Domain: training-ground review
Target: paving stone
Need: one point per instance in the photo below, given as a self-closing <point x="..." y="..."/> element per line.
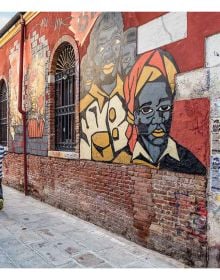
<point x="70" y="247"/>
<point x="3" y="216"/>
<point x="19" y="252"/>
<point x="43" y="224"/>
<point x="38" y="235"/>
<point x="117" y="257"/>
<point x="77" y="235"/>
<point x="7" y="222"/>
<point x="51" y="254"/>
<point x="9" y="243"/>
<point x="89" y="260"/>
<point x="7" y="264"/>
<point x="140" y="264"/>
<point x="161" y="263"/>
<point x="49" y="234"/>
<point x="16" y="227"/>
<point x="97" y="243"/>
<point x="71" y="264"/>
<point x="28" y="236"/>
<point x="137" y="250"/>
<point x="5" y="261"/>
<point x="161" y="260"/>
<point x="64" y="227"/>
<point x="35" y="262"/>
<point x="4" y="233"/>
<point x="104" y="265"/>
<point x="29" y="218"/>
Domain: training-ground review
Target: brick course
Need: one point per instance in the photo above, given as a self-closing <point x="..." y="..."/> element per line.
<point x="158" y="209"/>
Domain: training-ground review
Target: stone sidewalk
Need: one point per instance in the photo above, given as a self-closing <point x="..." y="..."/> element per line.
<point x="36" y="235"/>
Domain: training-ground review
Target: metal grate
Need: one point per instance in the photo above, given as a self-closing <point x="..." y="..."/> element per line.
<point x="66" y="59"/>
<point x="64" y="100"/>
<point x="3" y="113"/>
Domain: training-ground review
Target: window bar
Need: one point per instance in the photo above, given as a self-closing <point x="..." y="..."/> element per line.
<point x="65" y="108"/>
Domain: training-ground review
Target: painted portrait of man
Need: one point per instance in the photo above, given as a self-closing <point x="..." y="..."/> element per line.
<point x="149" y="93"/>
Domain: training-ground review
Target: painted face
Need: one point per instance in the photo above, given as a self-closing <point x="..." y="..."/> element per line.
<point x="153" y="112"/>
<point x="88" y="78"/>
<point x="107" y="52"/>
<point x="128" y="57"/>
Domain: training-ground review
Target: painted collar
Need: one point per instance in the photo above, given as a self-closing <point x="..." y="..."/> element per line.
<point x="101" y="96"/>
<point x="170" y="150"/>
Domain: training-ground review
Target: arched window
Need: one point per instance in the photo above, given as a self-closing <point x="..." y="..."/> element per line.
<point x="3" y="113"/>
<point x="65" y="87"/>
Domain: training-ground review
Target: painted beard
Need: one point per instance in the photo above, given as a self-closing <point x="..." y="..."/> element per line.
<point x="155" y="134"/>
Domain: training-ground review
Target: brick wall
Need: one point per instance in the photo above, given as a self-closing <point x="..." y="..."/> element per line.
<point x="161" y="210"/>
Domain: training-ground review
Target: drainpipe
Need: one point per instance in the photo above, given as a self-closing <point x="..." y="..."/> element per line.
<point x="20" y="109"/>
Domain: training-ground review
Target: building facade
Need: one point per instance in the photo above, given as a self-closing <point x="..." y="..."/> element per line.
<point x="121" y="113"/>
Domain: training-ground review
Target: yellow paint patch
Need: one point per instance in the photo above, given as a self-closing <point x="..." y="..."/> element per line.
<point x="101" y="139"/>
<point x="139" y="161"/>
<point x="123" y="158"/>
<point x="112" y="114"/>
<point x="101" y="148"/>
<point x="85" y="102"/>
<point x="115" y="134"/>
<point x="171" y="72"/>
<point x="149" y="74"/>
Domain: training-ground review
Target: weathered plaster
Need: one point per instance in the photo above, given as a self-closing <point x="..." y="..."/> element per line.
<point x="162" y="31"/>
<point x="213" y="61"/>
<point x="193" y="84"/>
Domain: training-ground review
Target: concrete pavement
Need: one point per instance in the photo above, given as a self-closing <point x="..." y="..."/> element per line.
<point x="36" y="235"/>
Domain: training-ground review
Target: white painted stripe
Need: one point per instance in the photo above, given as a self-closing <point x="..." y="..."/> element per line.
<point x="162" y="31"/>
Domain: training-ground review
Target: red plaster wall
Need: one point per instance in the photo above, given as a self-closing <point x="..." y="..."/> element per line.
<point x="189" y="53"/>
<point x="190" y="127"/>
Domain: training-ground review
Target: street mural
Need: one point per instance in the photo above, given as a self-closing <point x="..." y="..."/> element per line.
<point x="14" y="116"/>
<point x="127" y="101"/>
<point x="35" y="91"/>
<point x="36" y="101"/>
<point x="81" y="24"/>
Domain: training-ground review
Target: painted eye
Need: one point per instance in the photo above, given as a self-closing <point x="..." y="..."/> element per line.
<point x="101" y="49"/>
<point x="164" y="108"/>
<point x="117" y="41"/>
<point x="146" y="110"/>
<point x="126" y="59"/>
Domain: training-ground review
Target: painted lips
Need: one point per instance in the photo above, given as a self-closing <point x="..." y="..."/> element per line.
<point x="88" y="82"/>
<point x="158" y="133"/>
<point x="108" y="68"/>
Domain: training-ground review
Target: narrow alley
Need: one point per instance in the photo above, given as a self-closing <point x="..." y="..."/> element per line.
<point x="36" y="235"/>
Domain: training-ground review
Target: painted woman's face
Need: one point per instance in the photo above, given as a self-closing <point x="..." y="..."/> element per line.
<point x="153" y="112"/>
<point x="107" y="52"/>
<point x="128" y="57"/>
